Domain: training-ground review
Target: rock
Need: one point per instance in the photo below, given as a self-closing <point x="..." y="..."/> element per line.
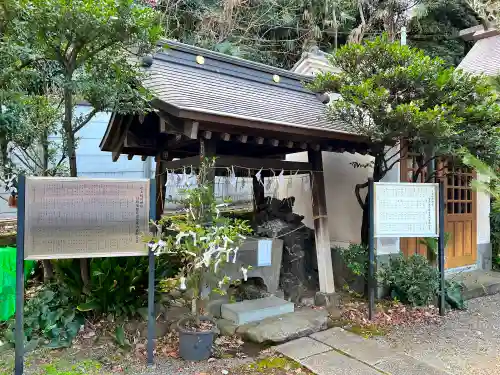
<point x="226" y="327"/>
<point x="161" y="328"/>
<point x="285" y="327"/>
<point x="328" y="300"/>
<point x="213" y="306"/>
<point x="174" y="313"/>
<point x="175" y="293"/>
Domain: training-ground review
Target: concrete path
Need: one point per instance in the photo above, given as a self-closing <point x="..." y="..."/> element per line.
<point x="339" y="352"/>
<point x="466" y="343"/>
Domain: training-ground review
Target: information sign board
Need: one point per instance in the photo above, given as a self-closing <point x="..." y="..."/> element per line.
<point x="85" y="218"/>
<point x="406" y="209"/>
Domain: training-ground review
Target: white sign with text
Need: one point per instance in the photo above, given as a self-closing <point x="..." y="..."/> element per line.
<point x="85" y="218"/>
<point x="406" y="209"/>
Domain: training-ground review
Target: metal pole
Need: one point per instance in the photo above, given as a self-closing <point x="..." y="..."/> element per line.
<point x="371" y="252"/>
<point x="151" y="278"/>
<point x="441" y="249"/>
<point x="19" y="333"/>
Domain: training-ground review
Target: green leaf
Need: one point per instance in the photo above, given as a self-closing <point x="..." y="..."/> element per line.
<point x="31" y="345"/>
<point x="89" y="306"/>
<point x="73" y="328"/>
<point x="120" y="337"/>
<point x="68" y="316"/>
<point x="143" y="312"/>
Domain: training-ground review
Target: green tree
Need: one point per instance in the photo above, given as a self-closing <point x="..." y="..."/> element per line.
<point x="488" y="10"/>
<point x="488" y="181"/>
<point x="391" y="93"/>
<point x="93" y="47"/>
<point x="435" y="29"/>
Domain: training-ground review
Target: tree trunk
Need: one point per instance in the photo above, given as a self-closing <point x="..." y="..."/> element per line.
<point x="73" y="172"/>
<point x="48" y="269"/>
<point x="378" y="175"/>
<point x="365" y="223"/>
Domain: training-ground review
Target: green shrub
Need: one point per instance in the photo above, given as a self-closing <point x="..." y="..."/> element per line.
<point x="411" y="280"/>
<point x="495" y="233"/>
<point x="118" y="286"/>
<point x="50" y="319"/>
<point x="355" y="257"/>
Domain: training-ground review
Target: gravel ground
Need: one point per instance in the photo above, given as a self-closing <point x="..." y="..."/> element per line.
<point x="465" y="343"/>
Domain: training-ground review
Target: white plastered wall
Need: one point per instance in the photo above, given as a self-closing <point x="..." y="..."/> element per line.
<point x="483" y="216"/>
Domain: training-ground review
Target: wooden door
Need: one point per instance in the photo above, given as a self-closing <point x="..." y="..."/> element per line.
<point x="460" y="214"/>
<point x="411" y="246"/>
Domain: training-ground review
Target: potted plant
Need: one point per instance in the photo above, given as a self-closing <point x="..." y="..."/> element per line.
<point x="205" y="240"/>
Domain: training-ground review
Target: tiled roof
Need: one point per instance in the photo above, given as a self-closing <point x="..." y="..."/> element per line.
<point x="484" y="57"/>
<point x="232" y="87"/>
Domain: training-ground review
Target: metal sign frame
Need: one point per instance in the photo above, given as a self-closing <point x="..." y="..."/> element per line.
<point x="440" y="210"/>
<point x="19" y="323"/>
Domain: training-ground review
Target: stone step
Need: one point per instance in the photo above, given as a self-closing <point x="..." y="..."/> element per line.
<point x="255" y="310"/>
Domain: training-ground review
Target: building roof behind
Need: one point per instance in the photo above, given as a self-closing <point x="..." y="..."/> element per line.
<point x="484" y="56"/>
<point x="232" y="87"/>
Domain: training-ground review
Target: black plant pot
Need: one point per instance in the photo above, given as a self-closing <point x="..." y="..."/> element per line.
<point x="195" y="346"/>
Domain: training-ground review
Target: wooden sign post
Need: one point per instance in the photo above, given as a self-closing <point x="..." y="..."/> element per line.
<point x="405" y="210"/>
<point x="82" y="218"/>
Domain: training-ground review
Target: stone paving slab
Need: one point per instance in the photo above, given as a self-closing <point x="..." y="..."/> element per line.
<point x="334" y="363"/>
<point x="302" y="348"/>
<point x="365" y="350"/>
<point x="255" y="310"/>
<point x="401" y="364"/>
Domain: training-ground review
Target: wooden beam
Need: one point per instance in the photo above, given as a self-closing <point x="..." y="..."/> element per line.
<point x="120" y="141"/>
<point x="250" y="163"/>
<point x="225" y="136"/>
<point x="193" y="161"/>
<point x="256" y="163"/>
<point x="243" y="138"/>
<point x="259" y="140"/>
<point x="173" y="141"/>
<point x="191" y="129"/>
<point x="130" y="156"/>
<point x="133" y="141"/>
<point x="320" y="218"/>
<point x="169" y="126"/>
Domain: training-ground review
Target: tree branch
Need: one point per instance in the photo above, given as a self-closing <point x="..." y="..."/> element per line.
<point x="421" y="168"/>
<point x="85" y="121"/>
<point x="28" y="156"/>
<point x="357" y="190"/>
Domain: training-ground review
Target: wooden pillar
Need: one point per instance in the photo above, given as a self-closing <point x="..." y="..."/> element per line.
<point x="208" y="150"/>
<point x="258" y="193"/>
<point x="160" y="177"/>
<point x="320" y="219"/>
